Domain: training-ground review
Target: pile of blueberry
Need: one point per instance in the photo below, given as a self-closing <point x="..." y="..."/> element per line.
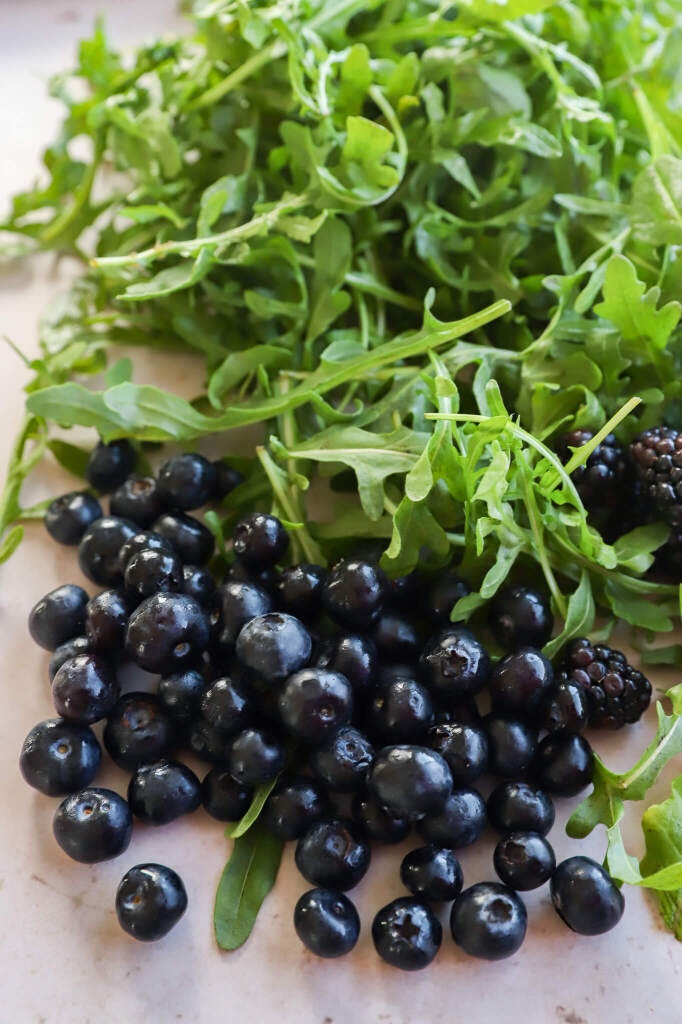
<point x="355" y="692"/>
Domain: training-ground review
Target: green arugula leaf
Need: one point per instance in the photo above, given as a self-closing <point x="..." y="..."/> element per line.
<point x="248" y="877"/>
<point x="70" y="456"/>
<point x="657" y="202"/>
<point x="633" y="309"/>
<point x="662" y="824"/>
<point x="241" y="827"/>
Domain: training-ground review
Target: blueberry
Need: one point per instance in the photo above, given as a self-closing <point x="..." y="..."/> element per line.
<point x="192" y="542"/>
<point x="332" y="853"/>
<point x="110" y="464"/>
<point x="564" y="764"/>
<point x="100" y="547"/>
<point x="106" y="621"/>
<point x="85" y="689"/>
<point x="138" y="500"/>
<point x="198" y="583"/>
<point x="143" y="540"/>
<point x="353" y="593"/>
<point x="233" y="605"/>
<point x="343" y="763"/>
<point x="260" y="540"/>
<point x="314" y="704"/>
<point x="222" y="797"/>
<point x="378" y="824"/>
<point x="186" y="481"/>
<point x="464" y="747"/>
<point x="68" y="517"/>
<point x="255" y="756"/>
<point x="180" y="694"/>
<point x="403" y="591"/>
<point x="461" y="712"/>
<point x="432" y="873"/>
<point x="396" y="637"/>
<point x="66" y="651"/>
<point x="455" y="665"/>
<point x="401" y="710"/>
<point x="138" y="730"/>
<point x="163" y="791"/>
<point x="520" y="807"/>
<point x="166" y="633"/>
<point x="520" y="682"/>
<point x="511" y="745"/>
<point x="226" y="478"/>
<point x="207" y="744"/>
<point x="442" y="594"/>
<point x="274" y="645"/>
<point x="294" y="805"/>
<point x="488" y="921"/>
<point x="520" y="617"/>
<point x="152" y="572"/>
<point x="410" y="781"/>
<point x="407" y="934"/>
<point x="566" y="708"/>
<point x="299" y="590"/>
<point x="240" y="572"/>
<point x="585" y="896"/>
<point x="58" y="617"/>
<point x="459" y="823"/>
<point x="524" y="860"/>
<point x="150" y="900"/>
<point x="228" y="705"/>
<point x="59" y="757"/>
<point x="355" y="657"/>
<point x="326" y="922"/>
<point x="93" y="825"/>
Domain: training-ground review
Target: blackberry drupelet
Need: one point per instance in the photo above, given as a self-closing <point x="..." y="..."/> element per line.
<point x="618" y="694"/>
<point x="601" y="480"/>
<point x="657" y="457"/>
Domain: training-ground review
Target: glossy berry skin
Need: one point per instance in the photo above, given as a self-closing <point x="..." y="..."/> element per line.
<point x="226" y="478"/>
<point x="442" y="594"/>
<point x="109" y="465"/>
<point x="163" y="791"/>
<point x="142" y="540"/>
<point x="410" y="781"/>
<point x="192" y="542"/>
<point x="255" y="756"/>
<point x="228" y="705"/>
<point x="186" y="481"/>
<point x="167" y="633"/>
<point x="564" y="764"/>
<point x="152" y="572"/>
<point x="295" y="805"/>
<point x="520" y="682"/>
<point x="407" y="934"/>
<point x="58" y="617"/>
<point x="565" y="708"/>
<point x="299" y="590"/>
<point x="343" y="763"/>
<point x="353" y="594"/>
<point x="138" y="500"/>
<point x="274" y="646"/>
<point x="240" y="572"/>
<point x="93" y="825"/>
<point x="68" y="517"/>
<point x="464" y="747"/>
<point x="488" y="921"/>
<point x="616" y="692"/>
<point x="85" y="689"/>
<point x="401" y="710"/>
<point x="59" y="757"/>
<point x="511" y="745"/>
<point x="432" y="873"/>
<point x="106" y="621"/>
<point x="585" y="896"/>
<point x="332" y="853"/>
<point x="198" y="583"/>
<point x="260" y="540"/>
<point x="314" y="704"/>
<point x="222" y="797"/>
<point x="524" y="860"/>
<point x="138" y="731"/>
<point x="520" y="807"/>
<point x="100" y="547"/>
<point x="463" y="712"/>
<point x="180" y="694"/>
<point x="460" y="822"/>
<point x="233" y="605"/>
<point x="150" y="900"/>
<point x="66" y="651"/>
<point x="520" y="617"/>
<point x="355" y="657"/>
<point x="378" y="824"/>
<point x="402" y="591"/>
<point x="326" y="922"/>
<point x="455" y="664"/>
<point x="207" y="744"/>
<point x="396" y="637"/>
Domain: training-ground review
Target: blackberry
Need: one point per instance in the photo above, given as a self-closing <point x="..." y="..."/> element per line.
<point x="618" y="694"/>
<point x="657" y="457"/>
<point x="599" y="481"/>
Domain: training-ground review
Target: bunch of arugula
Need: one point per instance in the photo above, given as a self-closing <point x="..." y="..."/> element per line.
<point x="412" y="241"/>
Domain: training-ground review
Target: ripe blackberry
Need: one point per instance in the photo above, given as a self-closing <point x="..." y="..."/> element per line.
<point x="668" y="559"/>
<point x="618" y="694"/>
<point x="600" y="480"/>
<point x="657" y="457"/>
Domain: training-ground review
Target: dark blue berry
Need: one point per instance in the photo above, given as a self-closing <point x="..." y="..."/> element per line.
<point x="378" y="824"/>
<point x="138" y="500"/>
<point x="520" y="617"/>
<point x="565" y="708"/>
<point x="59" y="757"/>
<point x="442" y="594"/>
<point x="455" y="664"/>
<point x="167" y="632"/>
<point x="396" y="637"/>
<point x="488" y="921"/>
<point x="192" y="542"/>
<point x="255" y="756"/>
<point x="68" y="517"/>
<point x="142" y="540"/>
<point x="355" y="657"/>
<point x="520" y="807"/>
<point x="222" y="797"/>
<point x="110" y="464"/>
<point x="58" y="617"/>
<point x="186" y="481"/>
<point x="353" y="593"/>
<point x="299" y="590"/>
<point x="228" y="705"/>
<point x="520" y="682"/>
<point x="232" y="606"/>
<point x="226" y="478"/>
<point x="410" y="781"/>
<point x="314" y="704"/>
<point x="511" y="745"/>
<point x="106" y="621"/>
<point x="464" y="747"/>
<point x="198" y="583"/>
<point x="163" y="791"/>
<point x="100" y="549"/>
<point x="407" y="934"/>
<point x="343" y="763"/>
<point x="138" y="730"/>
<point x="150" y="900"/>
<point x="85" y="689"/>
<point x="152" y="572"/>
<point x="460" y="822"/>
<point x="401" y="710"/>
<point x="274" y="646"/>
<point x="524" y="860"/>
<point x="260" y="540"/>
<point x="332" y="853"/>
<point x="294" y="805"/>
<point x="207" y="744"/>
<point x="564" y="764"/>
<point x="180" y="694"/>
<point x="326" y="922"/>
<point x="585" y="896"/>
<point x="66" y="651"/>
<point x="432" y="873"/>
<point x="93" y="825"/>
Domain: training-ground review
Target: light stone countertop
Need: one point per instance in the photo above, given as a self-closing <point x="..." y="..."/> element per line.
<point x="63" y="958"/>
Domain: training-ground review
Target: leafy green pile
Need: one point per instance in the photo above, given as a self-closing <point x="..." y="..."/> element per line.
<point x="412" y="240"/>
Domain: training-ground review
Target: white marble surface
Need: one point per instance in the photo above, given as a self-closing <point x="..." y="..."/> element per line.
<point x="63" y="959"/>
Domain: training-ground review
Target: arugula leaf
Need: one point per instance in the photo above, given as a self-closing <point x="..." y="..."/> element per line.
<point x="248" y="877"/>
<point x="239" y="828"/>
<point x="662" y="824"/>
<point x="633" y="309"/>
<point x="657" y="202"/>
<point x="70" y="456"/>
